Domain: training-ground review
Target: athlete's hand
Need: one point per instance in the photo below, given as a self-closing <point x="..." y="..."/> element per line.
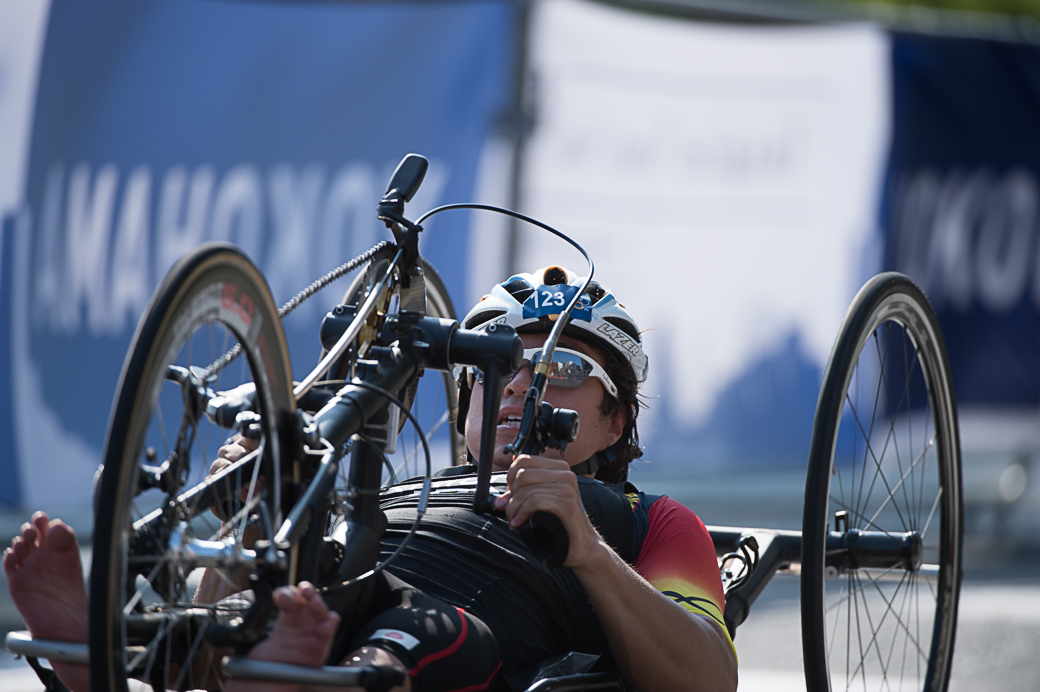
<point x="227" y="455"/>
<point x="540" y="483"/>
<point x="230" y="453"/>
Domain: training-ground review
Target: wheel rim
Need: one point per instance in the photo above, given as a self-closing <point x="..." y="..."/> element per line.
<point x="148" y="581"/>
<point x="148" y="589"/>
<point x="875" y="622"/>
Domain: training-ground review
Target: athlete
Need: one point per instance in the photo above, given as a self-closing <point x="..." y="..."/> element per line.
<point x="467" y="606"/>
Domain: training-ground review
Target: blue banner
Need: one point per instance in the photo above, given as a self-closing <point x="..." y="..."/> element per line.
<point x="272" y="125"/>
<point x="961" y="205"/>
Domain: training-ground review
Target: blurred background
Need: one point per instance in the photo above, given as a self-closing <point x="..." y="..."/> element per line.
<point x="736" y="170"/>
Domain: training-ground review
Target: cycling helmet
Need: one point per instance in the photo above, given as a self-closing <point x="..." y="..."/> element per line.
<point x="532" y="302"/>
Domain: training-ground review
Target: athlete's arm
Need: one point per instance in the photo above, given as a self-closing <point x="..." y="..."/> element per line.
<point x="659" y="645"/>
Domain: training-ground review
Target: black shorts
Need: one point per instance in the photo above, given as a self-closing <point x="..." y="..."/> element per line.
<point x="443" y="647"/>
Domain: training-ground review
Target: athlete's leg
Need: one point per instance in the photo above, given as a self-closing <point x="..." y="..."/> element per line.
<point x="45" y="578"/>
<point x="441" y="646"/>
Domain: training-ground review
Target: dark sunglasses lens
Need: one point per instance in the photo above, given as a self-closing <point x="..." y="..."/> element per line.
<point x="567" y="370"/>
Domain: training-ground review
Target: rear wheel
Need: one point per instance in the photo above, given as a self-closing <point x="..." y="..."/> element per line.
<point x="154" y="531"/>
<point x="882" y="523"/>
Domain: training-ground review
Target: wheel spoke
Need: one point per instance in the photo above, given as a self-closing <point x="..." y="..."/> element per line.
<point x="873" y="416"/>
<point x="872" y="643"/>
<point x="196" y="644"/>
<point x="879" y="473"/>
<point x="931" y="513"/>
<point x="892" y="414"/>
<point x="902" y="480"/>
<point x="431" y="431"/>
<point x="131" y="605"/>
<point x="899" y="621"/>
<point x="908" y="598"/>
<point x="873" y="578"/>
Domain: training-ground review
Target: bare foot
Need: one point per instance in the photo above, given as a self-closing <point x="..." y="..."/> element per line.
<point x="45" y="578"/>
<point x="302" y="635"/>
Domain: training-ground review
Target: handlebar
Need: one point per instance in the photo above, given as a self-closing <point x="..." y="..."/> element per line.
<point x="439" y="344"/>
<point x="415" y="342"/>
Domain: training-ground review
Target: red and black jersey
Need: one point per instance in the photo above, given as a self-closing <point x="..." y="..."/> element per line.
<point x="665" y="542"/>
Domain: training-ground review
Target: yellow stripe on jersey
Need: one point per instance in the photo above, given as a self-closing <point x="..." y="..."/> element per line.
<point x="690" y="597"/>
<point x="694" y="600"/>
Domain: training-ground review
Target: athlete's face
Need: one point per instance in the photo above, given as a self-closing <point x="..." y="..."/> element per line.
<point x="596" y="431"/>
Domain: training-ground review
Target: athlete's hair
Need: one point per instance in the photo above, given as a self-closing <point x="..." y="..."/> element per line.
<point x="628" y="399"/>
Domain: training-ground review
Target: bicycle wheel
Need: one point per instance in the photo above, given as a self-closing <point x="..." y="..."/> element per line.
<point x="153" y="503"/>
<point x="882" y="524"/>
<point x="433" y="398"/>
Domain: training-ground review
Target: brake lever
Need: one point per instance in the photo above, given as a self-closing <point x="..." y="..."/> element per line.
<point x="544" y="532"/>
<point x="544" y="426"/>
<point x="529" y="419"/>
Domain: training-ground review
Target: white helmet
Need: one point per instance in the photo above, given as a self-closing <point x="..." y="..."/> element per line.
<point x="532" y="302"/>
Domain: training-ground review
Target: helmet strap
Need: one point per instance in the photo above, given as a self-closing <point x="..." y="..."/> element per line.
<point x="599" y="459"/>
<point x="463" y="402"/>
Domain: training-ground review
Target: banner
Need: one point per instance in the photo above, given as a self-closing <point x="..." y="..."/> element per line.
<point x="961" y="207"/>
<point x="272" y="125"/>
<point x="725" y="180"/>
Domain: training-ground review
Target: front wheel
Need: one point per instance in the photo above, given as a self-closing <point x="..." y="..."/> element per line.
<point x="154" y="531"/>
<point x="882" y="523"/>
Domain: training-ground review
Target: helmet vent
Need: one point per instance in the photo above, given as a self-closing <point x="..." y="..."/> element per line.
<point x="624" y="325"/>
<point x="554" y="276"/>
<point x="482" y="317"/>
<point x="519" y="289"/>
<point x="595" y="292"/>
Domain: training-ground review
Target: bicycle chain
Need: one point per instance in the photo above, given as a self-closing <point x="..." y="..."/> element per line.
<point x="298" y="299"/>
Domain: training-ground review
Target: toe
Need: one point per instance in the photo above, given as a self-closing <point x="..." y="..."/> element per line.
<point x="20" y="546"/>
<point x="286" y="598"/>
<point x="328" y="626"/>
<point x="316" y="606"/>
<point x="61" y="536"/>
<point x="42" y="523"/>
<point x="30" y="537"/>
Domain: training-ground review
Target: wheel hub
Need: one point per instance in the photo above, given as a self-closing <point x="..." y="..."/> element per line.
<point x="857" y="549"/>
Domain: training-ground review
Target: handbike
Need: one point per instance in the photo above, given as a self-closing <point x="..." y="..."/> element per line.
<point x="175" y="548"/>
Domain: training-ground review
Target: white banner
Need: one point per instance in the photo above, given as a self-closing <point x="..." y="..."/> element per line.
<point x="725" y="181"/>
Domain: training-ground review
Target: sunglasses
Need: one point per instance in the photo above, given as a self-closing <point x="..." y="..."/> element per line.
<point x="568" y="369"/>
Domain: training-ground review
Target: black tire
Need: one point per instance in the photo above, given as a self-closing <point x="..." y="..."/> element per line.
<point x="213" y="299"/>
<point x="885" y="450"/>
<point x="433" y="398"/>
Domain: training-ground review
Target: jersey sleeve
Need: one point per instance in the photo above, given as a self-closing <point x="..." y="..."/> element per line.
<point x="678" y="558"/>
